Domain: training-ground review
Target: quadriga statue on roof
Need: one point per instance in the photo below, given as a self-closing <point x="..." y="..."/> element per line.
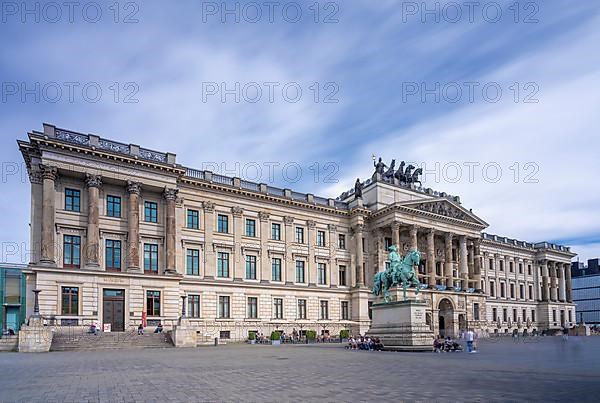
<point x="400" y="271"/>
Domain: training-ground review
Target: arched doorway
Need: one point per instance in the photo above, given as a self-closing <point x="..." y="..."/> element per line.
<point x="446" y="318"/>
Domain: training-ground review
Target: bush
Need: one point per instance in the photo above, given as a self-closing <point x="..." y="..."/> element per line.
<point x="344" y="334"/>
<point x="275" y="335"/>
<point x="311" y="335"/>
<point x="251" y="335"/>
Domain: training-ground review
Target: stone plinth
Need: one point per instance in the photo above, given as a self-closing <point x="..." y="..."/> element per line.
<point x="35" y="338"/>
<point x="401" y="326"/>
<point x="184" y="335"/>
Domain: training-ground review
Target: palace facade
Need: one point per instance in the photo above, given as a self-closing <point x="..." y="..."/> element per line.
<point x="121" y="234"/>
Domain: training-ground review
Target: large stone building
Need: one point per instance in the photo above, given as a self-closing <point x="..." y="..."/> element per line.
<point x="120" y="234"/>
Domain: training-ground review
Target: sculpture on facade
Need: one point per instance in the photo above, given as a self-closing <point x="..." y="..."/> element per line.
<point x="388" y="176"/>
<point x="400" y="172"/>
<point x="400" y="271"/>
<point x="358" y="187"/>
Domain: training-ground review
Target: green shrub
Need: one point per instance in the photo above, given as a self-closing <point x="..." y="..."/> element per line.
<point x="251" y="335"/>
<point x="275" y="335"/>
<point x="311" y="334"/>
<point x="344" y="334"/>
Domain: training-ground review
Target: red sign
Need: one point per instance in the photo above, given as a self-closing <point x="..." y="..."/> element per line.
<point x="144" y="322"/>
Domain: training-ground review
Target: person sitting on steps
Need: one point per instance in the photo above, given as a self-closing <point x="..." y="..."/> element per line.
<point x="140" y="330"/>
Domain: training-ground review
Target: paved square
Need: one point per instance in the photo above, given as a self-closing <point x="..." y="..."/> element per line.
<point x="504" y="370"/>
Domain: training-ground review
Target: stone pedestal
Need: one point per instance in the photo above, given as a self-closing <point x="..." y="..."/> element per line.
<point x="184" y="335"/>
<point x="35" y="338"/>
<point x="401" y="326"/>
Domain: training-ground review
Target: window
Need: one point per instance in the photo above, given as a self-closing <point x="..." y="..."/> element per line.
<point x="570" y="317"/>
<point x="251" y="267"/>
<point x="72" y="251"/>
<point x="530" y="292"/>
<point x="520" y="268"/>
<point x="475" y="311"/>
<point x="153" y="303"/>
<point x="113" y="206"/>
<point x="193" y="302"/>
<point x="529" y="269"/>
<point x="223" y="224"/>
<point x="276" y="231"/>
<point x="342" y="241"/>
<point x="505" y="314"/>
<point x="225" y="334"/>
<point x="150" y="212"/>
<point x="301" y="309"/>
<point x="533" y="315"/>
<point x="113" y="255"/>
<point x="554" y="315"/>
<point x="299" y="235"/>
<point x="342" y="275"/>
<point x="511" y="266"/>
<point x="515" y="314"/>
<point x="193" y="219"/>
<point x="521" y="291"/>
<point x="276" y="269"/>
<point x="222" y="264"/>
<point x="512" y="290"/>
<point x="223" y="307"/>
<point x="320" y="238"/>
<point x="70" y="301"/>
<point x="502" y="290"/>
<point x="150" y="258"/>
<point x="192" y="264"/>
<point x="502" y="265"/>
<point x="345" y="313"/>
<point x="278" y="308"/>
<point x="524" y="315"/>
<point x="72" y="200"/>
<point x="299" y="271"/>
<point x="494" y="314"/>
<point x="250" y="227"/>
<point x="492" y="289"/>
<point x="324" y="311"/>
<point x="322" y="273"/>
<point x="491" y="264"/>
<point x="252" y="308"/>
<point x="387" y="243"/>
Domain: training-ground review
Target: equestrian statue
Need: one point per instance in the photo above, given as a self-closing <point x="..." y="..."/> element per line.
<point x="400" y="271"/>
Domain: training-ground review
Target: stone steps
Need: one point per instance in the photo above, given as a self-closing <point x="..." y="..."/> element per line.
<point x="109" y="341"/>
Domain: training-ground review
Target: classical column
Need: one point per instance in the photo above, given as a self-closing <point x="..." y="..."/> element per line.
<point x="448" y="265"/>
<point x="413" y="237"/>
<point x="471" y="264"/>
<point x="37" y="206"/>
<point x="265" y="261"/>
<point x="210" y="263"/>
<point x="477" y="265"/>
<point x="545" y="287"/>
<point x="462" y="262"/>
<point x="94" y="183"/>
<point x="431" y="257"/>
<point x="49" y="175"/>
<point x="239" y="263"/>
<point x="290" y="266"/>
<point x="333" y="269"/>
<point x="561" y="284"/>
<point x="358" y="235"/>
<point x="396" y="234"/>
<point x="568" y="284"/>
<point x="553" y="283"/>
<point x="311" y="270"/>
<point x="133" y="226"/>
<point x="170" y="195"/>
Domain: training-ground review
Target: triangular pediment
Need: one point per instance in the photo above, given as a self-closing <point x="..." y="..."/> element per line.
<point x="444" y="208"/>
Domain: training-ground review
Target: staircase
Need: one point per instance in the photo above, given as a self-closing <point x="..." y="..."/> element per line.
<point x="109" y="341"/>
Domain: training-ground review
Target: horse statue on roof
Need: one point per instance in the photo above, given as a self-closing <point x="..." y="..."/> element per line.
<point x="400" y="272"/>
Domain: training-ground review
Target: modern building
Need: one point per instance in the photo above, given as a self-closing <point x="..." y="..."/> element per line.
<point x="12" y="296"/>
<point x="579" y="269"/>
<point x="121" y="234"/>
<point x="586" y="291"/>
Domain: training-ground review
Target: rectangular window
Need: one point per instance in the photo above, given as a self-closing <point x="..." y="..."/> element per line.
<point x="475" y="311"/>
<point x="71" y="251"/>
<point x="554" y="315"/>
<point x="113" y="206"/>
<point x="521" y="291"/>
<point x="345" y="313"/>
<point x="150" y="212"/>
<point x="250" y="227"/>
<point x="252" y="309"/>
<point x="387" y="243"/>
<point x="192" y="262"/>
<point x="113" y="255"/>
<point x="494" y="314"/>
<point x="342" y="275"/>
<point x="299" y="235"/>
<point x="300" y="271"/>
<point x="505" y="314"/>
<point x="72" y="200"/>
<point x="342" y="241"/>
<point x="223" y="307"/>
<point x="570" y="317"/>
<point x="530" y="292"/>
<point x="225" y="334"/>
<point x="529" y="269"/>
<point x="502" y="265"/>
<point x="511" y="267"/>
<point x="322" y="273"/>
<point x="150" y="258"/>
<point x="193" y="302"/>
<point x="278" y="308"/>
<point x="193" y="219"/>
<point x="520" y="268"/>
<point x="223" y="223"/>
<point x="524" y="315"/>
<point x="70" y="301"/>
<point x="515" y="315"/>
<point x="491" y="264"/>
<point x="533" y="315"/>
<point x="222" y="264"/>
<point x="492" y="289"/>
<point x="512" y="290"/>
<point x="276" y="231"/>
<point x="276" y="269"/>
<point x="502" y="290"/>
<point x="152" y="303"/>
<point x="250" y="267"/>
<point x="324" y="311"/>
<point x="321" y="238"/>
<point x="301" y="309"/>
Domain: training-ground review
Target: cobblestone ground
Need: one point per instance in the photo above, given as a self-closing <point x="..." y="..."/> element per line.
<point x="503" y="370"/>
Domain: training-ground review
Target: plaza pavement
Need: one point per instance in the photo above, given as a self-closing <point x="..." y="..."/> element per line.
<point x="504" y="370"/>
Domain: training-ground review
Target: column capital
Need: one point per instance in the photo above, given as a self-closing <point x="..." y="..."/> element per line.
<point x="49" y="172"/>
<point x="413" y="229"/>
<point x="332" y="227"/>
<point x="263" y="216"/>
<point x="288" y="220"/>
<point x="358" y="228"/>
<point x="93" y="181"/>
<point x="208" y="206"/>
<point x="311" y="224"/>
<point x="36" y="177"/>
<point x="448" y="236"/>
<point x="430" y="231"/>
<point x="237" y="211"/>
<point x="170" y="194"/>
<point x="134" y="187"/>
<point x="395" y="225"/>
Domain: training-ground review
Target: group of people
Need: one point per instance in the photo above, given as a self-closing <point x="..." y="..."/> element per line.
<point x="447" y="344"/>
<point x="364" y="343"/>
<point x="157" y="329"/>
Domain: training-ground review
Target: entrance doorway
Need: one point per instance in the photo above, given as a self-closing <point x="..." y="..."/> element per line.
<point x="446" y="318"/>
<point x="113" y="309"/>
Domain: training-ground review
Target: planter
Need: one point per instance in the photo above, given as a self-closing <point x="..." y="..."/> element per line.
<point x="275" y="342"/>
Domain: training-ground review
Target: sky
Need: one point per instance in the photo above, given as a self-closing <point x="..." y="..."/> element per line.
<point x="496" y="100"/>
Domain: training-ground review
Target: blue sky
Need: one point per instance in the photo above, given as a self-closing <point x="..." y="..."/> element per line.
<point x="381" y="61"/>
